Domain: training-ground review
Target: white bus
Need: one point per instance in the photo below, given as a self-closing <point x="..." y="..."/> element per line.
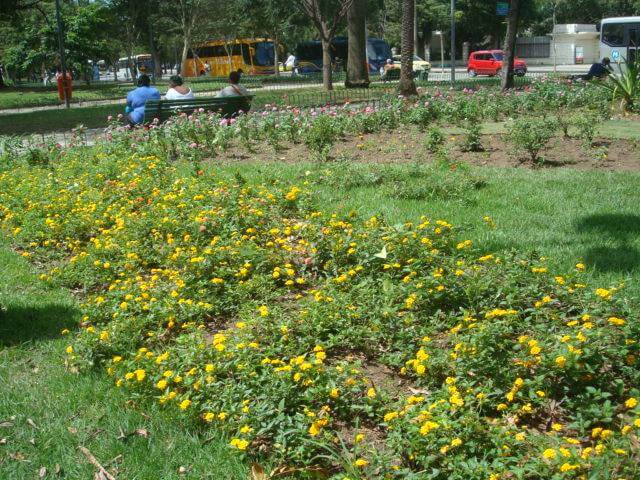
<point x="619" y="38"/>
<point x="143" y="64"/>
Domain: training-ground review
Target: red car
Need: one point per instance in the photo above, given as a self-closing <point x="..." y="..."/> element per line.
<point x="489" y="62"/>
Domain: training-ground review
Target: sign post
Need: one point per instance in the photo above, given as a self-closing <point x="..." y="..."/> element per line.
<point x="453" y="42"/>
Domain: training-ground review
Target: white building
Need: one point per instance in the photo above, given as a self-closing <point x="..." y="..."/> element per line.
<point x="574" y="44"/>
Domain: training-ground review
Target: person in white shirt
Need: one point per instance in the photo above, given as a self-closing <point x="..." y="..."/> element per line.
<point x="291" y="62"/>
<point x="177" y="91"/>
<point x="234" y="89"/>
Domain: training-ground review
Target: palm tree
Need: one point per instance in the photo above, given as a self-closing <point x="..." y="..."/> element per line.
<point x="510" y="45"/>
<point x="407" y="87"/>
<point x="357" y="65"/>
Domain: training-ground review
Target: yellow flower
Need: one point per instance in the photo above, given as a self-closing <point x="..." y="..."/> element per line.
<point x="556" y="427"/>
<point x="162" y="384"/>
<point x="456" y="442"/>
<point x="209" y="417"/>
<point x="371" y="393"/>
<point x="393" y="415"/>
<point x="603" y="293"/>
<point x="69" y="349"/>
<point x="239" y="443"/>
<point x="618" y="322"/>
<point x="567" y="467"/>
<point x="580" y="266"/>
<point x="246" y="429"/>
<point x="140" y="374"/>
<point x="335" y="393"/>
<point x="361" y="462"/>
<point x="631" y="403"/>
<point x="185" y="404"/>
<point x="263" y="310"/>
<point x="359" y="437"/>
<point x="549" y="453"/>
<point x="561" y="361"/>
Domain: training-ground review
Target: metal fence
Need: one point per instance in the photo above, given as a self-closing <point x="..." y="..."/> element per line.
<point x="533" y="47"/>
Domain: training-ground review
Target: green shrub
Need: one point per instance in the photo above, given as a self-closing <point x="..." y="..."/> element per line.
<point x="434" y="139"/>
<point x="472" y="138"/>
<point x="321" y="135"/>
<point x="531" y="135"/>
<point x="586" y="123"/>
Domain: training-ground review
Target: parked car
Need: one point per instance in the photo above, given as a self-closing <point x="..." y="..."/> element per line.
<point x="419" y="64"/>
<point x="489" y="62"/>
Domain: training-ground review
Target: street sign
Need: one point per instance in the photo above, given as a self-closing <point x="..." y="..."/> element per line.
<point x="615" y="55"/>
<point x="502" y="9"/>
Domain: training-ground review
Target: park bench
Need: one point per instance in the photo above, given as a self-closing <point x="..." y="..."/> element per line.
<point x="227" y="107"/>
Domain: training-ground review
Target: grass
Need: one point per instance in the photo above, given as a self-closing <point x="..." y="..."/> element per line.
<point x="46" y="412"/>
<point x="564" y="214"/>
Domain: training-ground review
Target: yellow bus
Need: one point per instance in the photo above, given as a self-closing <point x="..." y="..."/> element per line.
<point x="218" y="58"/>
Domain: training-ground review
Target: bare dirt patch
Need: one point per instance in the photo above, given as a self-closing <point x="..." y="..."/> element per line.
<point x="406" y="147"/>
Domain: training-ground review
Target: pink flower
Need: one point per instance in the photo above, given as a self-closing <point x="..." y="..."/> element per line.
<point x="109" y="118"/>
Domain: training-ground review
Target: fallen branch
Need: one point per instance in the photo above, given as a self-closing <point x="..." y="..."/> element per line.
<point x="95" y="463"/>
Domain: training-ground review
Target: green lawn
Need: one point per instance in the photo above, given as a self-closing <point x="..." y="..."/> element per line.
<point x="46" y="412"/>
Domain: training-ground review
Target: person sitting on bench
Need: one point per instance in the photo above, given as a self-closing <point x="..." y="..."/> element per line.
<point x="138" y="97"/>
<point x="178" y="91"/>
<point x="234" y="89"/>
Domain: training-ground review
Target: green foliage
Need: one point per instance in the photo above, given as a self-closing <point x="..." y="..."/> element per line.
<point x="434" y="139"/>
<point x="321" y="135"/>
<point x="531" y="135"/>
<point x="624" y="85"/>
<point x="473" y="137"/>
<point x="586" y="123"/>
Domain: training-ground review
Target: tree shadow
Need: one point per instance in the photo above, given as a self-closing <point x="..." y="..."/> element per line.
<point x="614" y="236"/>
<point x="20" y="324"/>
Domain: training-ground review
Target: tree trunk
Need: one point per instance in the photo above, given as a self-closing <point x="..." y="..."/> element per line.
<point x="185" y="53"/>
<point x="357" y="65"/>
<point x="1" y="77"/>
<point x="327" y="81"/>
<point x="510" y="45"/>
<point x="407" y="87"/>
<point x="155" y="54"/>
<point x="276" y="54"/>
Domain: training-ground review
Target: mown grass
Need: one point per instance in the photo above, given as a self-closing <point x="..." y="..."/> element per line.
<point x="46" y="412"/>
<point x="564" y="214"/>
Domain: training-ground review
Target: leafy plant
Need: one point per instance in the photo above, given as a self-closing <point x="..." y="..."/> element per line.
<point x="321" y="135"/>
<point x="586" y="123"/>
<point x="531" y="134"/>
<point x="624" y="86"/>
<point x="434" y="139"/>
<point x="472" y="138"/>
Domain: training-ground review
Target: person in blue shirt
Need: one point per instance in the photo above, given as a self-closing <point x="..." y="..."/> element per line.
<point x="138" y="97"/>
